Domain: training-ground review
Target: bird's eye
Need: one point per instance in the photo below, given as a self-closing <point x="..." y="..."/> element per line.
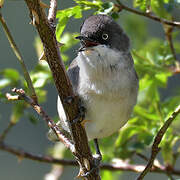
<point x="105" y="36"/>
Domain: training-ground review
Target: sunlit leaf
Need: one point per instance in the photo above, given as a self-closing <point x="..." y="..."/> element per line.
<point x="106" y="175"/>
<point x="141" y="3"/>
<point x="39" y="79"/>
<point x="1" y="3"/>
<point x="160" y="8"/>
<point x="4" y="82"/>
<point x="145" y="113"/>
<point x="64" y="15"/>
<point x="17" y="112"/>
<point x="126" y="133"/>
<point x="90" y="4"/>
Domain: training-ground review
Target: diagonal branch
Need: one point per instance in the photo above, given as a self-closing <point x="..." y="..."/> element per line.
<point x="47" y="34"/>
<point x="6" y="131"/>
<point x="19" y="57"/>
<point x="121" y="6"/>
<point x="45" y="117"/>
<point x="157" y="140"/>
<point x="168" y="33"/>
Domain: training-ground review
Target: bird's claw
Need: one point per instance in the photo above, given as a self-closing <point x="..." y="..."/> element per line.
<point x="95" y="168"/>
<point x="81" y="115"/>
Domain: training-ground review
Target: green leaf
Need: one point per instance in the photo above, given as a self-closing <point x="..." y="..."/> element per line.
<point x="64" y="15"/>
<point x="69" y="40"/>
<point x="158" y="7"/>
<point x="39" y="79"/>
<point x="107" y="7"/>
<point x="97" y="4"/>
<point x="126" y="133"/>
<point x="167" y="152"/>
<point x="141" y="3"/>
<point x="1" y="3"/>
<point x="17" y="112"/>
<point x="10" y="77"/>
<point x="115" y="15"/>
<point x="32" y="119"/>
<point x="161" y="79"/>
<point x="106" y="145"/>
<point x="41" y="93"/>
<point x="106" y="175"/>
<point x="145" y="113"/>
<point x="61" y="26"/>
<point x="146" y="137"/>
<point x="136" y="146"/>
<point x="11" y="74"/>
<point x="4" y="82"/>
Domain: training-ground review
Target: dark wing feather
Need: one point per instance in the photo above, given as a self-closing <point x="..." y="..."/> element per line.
<point x="73" y="73"/>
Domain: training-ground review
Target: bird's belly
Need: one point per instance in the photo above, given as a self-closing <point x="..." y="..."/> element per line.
<point x="104" y="117"/>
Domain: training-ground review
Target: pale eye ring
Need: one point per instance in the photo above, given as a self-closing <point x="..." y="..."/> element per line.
<point x="105" y="36"/>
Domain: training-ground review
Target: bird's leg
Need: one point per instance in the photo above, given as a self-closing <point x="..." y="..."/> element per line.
<point x="98" y="155"/>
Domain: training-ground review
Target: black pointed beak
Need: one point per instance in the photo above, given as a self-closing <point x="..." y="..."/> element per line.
<point x="86" y="42"/>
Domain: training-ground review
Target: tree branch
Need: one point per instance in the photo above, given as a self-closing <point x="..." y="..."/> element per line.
<point x="157" y="140"/>
<point x="19" y="57"/>
<point x="47" y="34"/>
<point x="148" y="15"/>
<point x="42" y="113"/>
<point x="119" y="166"/>
<point x="168" y="33"/>
<point x="47" y="159"/>
<point x="6" y="131"/>
<point x="52" y="11"/>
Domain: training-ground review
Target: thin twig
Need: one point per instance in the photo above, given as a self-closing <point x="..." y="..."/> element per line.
<point x="148" y="15"/>
<point x="11" y="123"/>
<point x="142" y="156"/>
<point x="156" y="163"/>
<point x="6" y="131"/>
<point x="157" y="140"/>
<point x="45" y="117"/>
<point x="122" y="166"/>
<point x="19" y="57"/>
<point x="168" y="33"/>
<point x="47" y="159"/>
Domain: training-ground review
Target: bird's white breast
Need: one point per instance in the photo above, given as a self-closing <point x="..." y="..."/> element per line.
<point x="105" y="87"/>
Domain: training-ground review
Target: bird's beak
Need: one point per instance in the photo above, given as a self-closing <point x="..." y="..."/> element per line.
<point x="86" y="42"/>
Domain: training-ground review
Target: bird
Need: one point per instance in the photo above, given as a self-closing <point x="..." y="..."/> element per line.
<point x="104" y="77"/>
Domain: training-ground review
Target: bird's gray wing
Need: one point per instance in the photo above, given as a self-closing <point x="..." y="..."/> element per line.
<point x="73" y="73"/>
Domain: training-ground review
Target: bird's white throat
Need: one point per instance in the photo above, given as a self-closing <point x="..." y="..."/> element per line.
<point x="103" y="70"/>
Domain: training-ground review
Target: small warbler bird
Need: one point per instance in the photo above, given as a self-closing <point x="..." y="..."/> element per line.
<point x="104" y="77"/>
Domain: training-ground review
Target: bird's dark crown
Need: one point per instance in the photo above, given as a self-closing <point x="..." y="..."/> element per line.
<point x="102" y="29"/>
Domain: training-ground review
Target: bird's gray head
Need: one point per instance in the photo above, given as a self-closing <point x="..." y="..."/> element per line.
<point x="102" y="29"/>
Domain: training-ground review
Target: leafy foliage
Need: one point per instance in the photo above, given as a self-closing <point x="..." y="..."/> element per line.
<point x="153" y="58"/>
<point x="152" y="61"/>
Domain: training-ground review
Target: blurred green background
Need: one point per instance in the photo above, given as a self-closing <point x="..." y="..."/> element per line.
<point x="32" y="138"/>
